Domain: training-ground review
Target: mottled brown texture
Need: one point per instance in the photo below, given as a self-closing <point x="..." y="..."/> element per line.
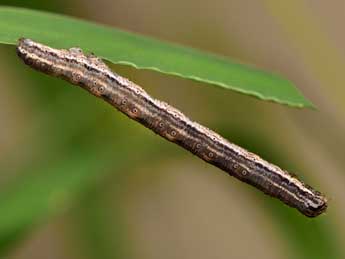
<point x="90" y="73"/>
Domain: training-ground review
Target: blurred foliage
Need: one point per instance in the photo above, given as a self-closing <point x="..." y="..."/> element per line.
<point x="141" y="52"/>
<point x="89" y="145"/>
<point x="307" y="238"/>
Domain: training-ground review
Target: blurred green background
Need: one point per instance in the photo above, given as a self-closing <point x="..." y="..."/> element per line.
<point x="80" y="180"/>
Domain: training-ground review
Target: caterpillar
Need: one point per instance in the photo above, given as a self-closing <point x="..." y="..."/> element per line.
<point x="90" y="73"/>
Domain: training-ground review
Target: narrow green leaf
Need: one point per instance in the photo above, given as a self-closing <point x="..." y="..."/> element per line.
<point x="146" y="53"/>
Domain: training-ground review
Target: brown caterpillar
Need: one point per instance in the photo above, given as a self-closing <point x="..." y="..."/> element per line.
<point x="90" y="73"/>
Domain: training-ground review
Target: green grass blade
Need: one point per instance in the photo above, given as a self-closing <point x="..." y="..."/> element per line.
<point x="36" y="196"/>
<point x="33" y="198"/>
<point x="146" y="53"/>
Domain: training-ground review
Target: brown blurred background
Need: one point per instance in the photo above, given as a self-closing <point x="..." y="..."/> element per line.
<point x="173" y="205"/>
